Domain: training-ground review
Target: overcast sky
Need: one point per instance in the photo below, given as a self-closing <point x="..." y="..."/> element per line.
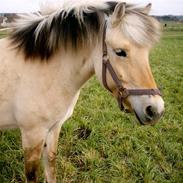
<point x="160" y="7"/>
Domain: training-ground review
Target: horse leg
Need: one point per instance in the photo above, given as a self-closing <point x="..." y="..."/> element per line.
<point x="49" y="154"/>
<point x="32" y="141"/>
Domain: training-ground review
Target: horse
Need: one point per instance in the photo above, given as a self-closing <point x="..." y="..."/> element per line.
<point x="50" y="54"/>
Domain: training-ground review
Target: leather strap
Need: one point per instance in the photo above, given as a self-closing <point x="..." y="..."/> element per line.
<point x="123" y="93"/>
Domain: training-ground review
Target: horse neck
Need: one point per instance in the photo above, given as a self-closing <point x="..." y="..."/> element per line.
<point x="78" y="67"/>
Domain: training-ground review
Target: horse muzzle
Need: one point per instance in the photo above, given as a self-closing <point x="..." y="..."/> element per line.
<point x="148" y="109"/>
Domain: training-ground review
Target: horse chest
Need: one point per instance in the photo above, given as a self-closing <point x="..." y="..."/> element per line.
<point x="44" y="111"/>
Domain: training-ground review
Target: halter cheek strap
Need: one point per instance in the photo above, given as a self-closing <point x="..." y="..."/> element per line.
<point x="123" y="93"/>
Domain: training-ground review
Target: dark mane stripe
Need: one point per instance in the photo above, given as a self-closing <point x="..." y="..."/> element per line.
<point x="65" y="29"/>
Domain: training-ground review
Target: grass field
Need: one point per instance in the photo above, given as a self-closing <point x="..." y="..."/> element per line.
<point x="99" y="144"/>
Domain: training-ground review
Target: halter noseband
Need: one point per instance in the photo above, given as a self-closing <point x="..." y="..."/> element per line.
<point x="123" y="93"/>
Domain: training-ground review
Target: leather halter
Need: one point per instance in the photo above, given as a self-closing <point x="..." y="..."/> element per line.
<point x="123" y="93"/>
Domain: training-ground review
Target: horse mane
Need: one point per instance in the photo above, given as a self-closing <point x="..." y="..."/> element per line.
<point x="74" y="25"/>
<point x="140" y="28"/>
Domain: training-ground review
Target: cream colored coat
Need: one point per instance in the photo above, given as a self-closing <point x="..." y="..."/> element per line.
<point x="38" y="97"/>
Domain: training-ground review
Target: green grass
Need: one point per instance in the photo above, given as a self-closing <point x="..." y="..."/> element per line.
<point x="173" y="26"/>
<point x="100" y="144"/>
<point x="3" y="34"/>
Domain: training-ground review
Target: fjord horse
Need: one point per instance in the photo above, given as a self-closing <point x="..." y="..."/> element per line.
<point x="50" y="55"/>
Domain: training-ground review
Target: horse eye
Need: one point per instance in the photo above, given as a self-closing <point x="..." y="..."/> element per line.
<point x="121" y="53"/>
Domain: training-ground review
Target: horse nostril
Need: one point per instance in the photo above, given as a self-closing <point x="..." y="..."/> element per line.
<point x="150" y="111"/>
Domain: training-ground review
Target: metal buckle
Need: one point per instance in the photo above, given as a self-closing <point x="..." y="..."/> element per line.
<point x="124" y="92"/>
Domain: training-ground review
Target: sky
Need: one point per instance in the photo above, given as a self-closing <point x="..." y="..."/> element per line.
<point x="159" y="7"/>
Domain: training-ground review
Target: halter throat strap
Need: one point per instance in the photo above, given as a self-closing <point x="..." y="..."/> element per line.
<point x="123" y="93"/>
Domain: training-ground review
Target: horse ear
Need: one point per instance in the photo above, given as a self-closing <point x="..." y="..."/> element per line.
<point x="147" y="9"/>
<point x="118" y="13"/>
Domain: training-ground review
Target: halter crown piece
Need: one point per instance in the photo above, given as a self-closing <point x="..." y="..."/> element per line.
<point x="123" y="93"/>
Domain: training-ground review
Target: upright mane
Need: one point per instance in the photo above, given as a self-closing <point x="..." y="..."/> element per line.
<point x="75" y="25"/>
<point x="70" y="24"/>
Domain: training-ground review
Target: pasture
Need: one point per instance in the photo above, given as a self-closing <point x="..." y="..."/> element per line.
<point x="100" y="144"/>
